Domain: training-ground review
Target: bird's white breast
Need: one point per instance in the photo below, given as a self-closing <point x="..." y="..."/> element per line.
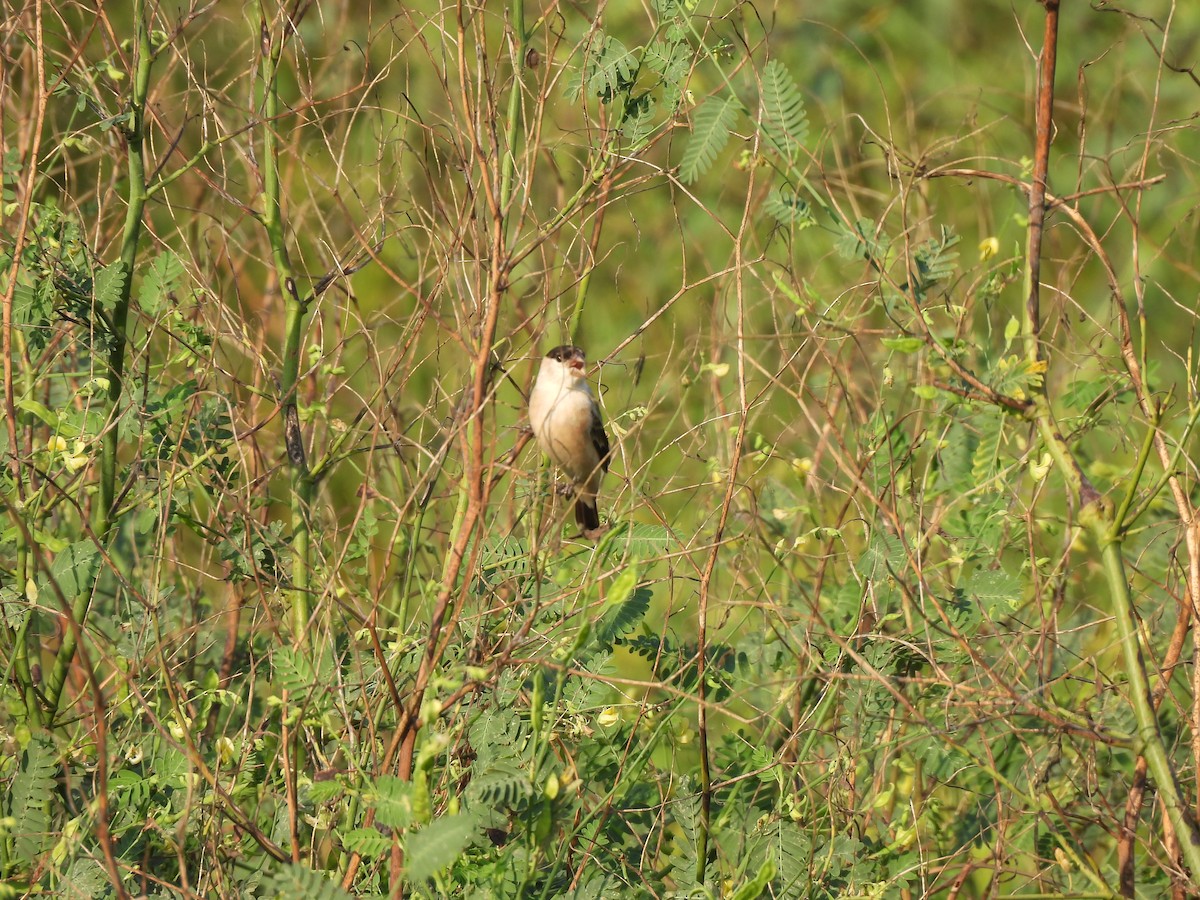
<point x="561" y="411"/>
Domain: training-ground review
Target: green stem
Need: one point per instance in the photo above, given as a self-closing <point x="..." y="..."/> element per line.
<point x="296" y="309"/>
<point x="103" y="514"/>
<point x="513" y="120"/>
<point x="1138" y="469"/>
<point x="1099" y="520"/>
<point x="1168" y="473"/>
<point x="577" y="312"/>
<point x="1096" y="512"/>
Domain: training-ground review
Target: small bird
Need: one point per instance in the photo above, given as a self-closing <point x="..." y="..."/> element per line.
<point x="566" y="422"/>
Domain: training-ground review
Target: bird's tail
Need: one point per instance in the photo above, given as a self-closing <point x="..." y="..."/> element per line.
<point x="587" y="516"/>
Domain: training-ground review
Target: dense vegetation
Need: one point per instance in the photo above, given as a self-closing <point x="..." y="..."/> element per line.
<point x="895" y="332"/>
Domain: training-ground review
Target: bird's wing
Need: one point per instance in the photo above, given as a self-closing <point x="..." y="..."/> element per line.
<point x="600" y="437"/>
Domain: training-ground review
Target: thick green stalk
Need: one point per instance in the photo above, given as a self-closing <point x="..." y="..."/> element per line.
<point x="296" y="309"/>
<point x="1096" y="512"/>
<point x="1098" y="517"/>
<point x="513" y="121"/>
<point x="21" y="670"/>
<point x="102" y="511"/>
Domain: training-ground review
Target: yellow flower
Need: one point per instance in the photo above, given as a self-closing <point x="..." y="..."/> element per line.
<point x="77" y="459"/>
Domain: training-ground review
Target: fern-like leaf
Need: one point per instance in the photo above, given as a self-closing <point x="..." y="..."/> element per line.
<point x="670" y="59"/>
<point x="622" y="618"/>
<point x="639" y="119"/>
<point x="166" y="272"/>
<point x="985" y="462"/>
<point x="503" y="785"/>
<point x="884" y="554"/>
<point x="369" y="843"/>
<point x="788" y="208"/>
<point x="608" y="70"/>
<point x="108" y="285"/>
<point x="293" y="670"/>
<point x="301" y="881"/>
<point x="685" y="811"/>
<point x="791" y="851"/>
<point x="710" y="132"/>
<point x="392" y="800"/>
<point x="935" y="260"/>
<point x="648" y="541"/>
<point x="32" y="789"/>
<point x="996" y="591"/>
<point x="784" y="120"/>
<point x="436" y="846"/>
<point x="861" y="242"/>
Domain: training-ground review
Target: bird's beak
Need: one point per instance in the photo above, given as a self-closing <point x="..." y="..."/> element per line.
<point x="577" y="364"/>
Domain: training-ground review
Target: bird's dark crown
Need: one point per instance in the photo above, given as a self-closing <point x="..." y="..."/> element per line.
<point x="566" y="352"/>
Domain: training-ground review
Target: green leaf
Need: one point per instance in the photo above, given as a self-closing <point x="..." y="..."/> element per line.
<point x="670" y="59"/>
<point x="994" y="588"/>
<point x="785" y="123"/>
<point x="904" y="344"/>
<point x="751" y="890"/>
<point x="884" y="555"/>
<point x="934" y="261"/>
<point x="436" y="846"/>
<point x="163" y="277"/>
<point x="860" y="242"/>
<point x="324" y="791"/>
<point x="985" y="462"/>
<point x="621" y="618"/>
<point x="29" y="797"/>
<point x="503" y="784"/>
<point x="1082" y="393"/>
<point x="787" y="207"/>
<point x="1010" y="331"/>
<point x="367" y="842"/>
<point x="33" y="307"/>
<point x="608" y="69"/>
<point x="647" y="541"/>
<point x="109" y="285"/>
<point x="392" y="801"/>
<point x="83" y="878"/>
<point x="639" y="119"/>
<point x="711" y="123"/>
<point x="73" y="570"/>
<point x="293" y="671"/>
<point x="39" y="410"/>
<point x="791" y="851"/>
<point x="299" y="881"/>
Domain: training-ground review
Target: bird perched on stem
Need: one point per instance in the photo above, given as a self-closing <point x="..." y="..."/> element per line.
<point x="566" y="422"/>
